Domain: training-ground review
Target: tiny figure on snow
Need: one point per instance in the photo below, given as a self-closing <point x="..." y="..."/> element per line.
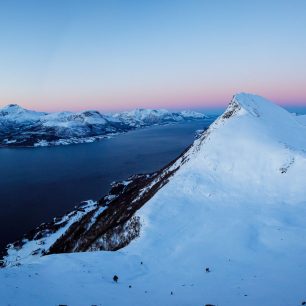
<point x="115" y="278"/>
<point x="207" y="270"/>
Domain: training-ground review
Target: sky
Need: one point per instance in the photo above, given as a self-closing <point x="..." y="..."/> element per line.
<point x="117" y="55"/>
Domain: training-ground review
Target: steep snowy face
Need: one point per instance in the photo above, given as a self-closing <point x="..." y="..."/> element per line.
<point x="253" y="144"/>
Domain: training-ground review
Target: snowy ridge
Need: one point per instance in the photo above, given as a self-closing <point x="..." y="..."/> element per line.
<point x="224" y="224"/>
<point x="21" y="127"/>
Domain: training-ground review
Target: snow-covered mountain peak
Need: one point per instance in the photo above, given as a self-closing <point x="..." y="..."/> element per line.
<point x="16" y="113"/>
<point x="258" y="116"/>
<point x="254" y="143"/>
<point x="257" y="106"/>
<point x="13" y="108"/>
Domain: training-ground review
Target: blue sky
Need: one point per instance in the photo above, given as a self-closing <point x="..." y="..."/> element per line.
<point x="112" y="55"/>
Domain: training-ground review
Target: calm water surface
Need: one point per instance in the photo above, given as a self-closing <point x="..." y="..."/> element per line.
<point x="37" y="184"/>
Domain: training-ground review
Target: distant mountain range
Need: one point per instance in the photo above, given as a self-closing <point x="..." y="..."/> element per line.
<point x="22" y="127"/>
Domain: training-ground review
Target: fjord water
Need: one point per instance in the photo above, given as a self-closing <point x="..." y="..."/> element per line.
<point x="37" y="184"/>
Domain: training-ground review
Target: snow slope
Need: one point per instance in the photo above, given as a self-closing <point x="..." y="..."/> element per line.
<point x="301" y="119"/>
<point x="235" y="204"/>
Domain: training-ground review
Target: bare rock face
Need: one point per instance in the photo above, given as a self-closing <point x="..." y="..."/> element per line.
<point x="233" y="108"/>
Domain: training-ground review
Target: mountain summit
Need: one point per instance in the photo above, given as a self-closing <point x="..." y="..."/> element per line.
<point x="223" y="224"/>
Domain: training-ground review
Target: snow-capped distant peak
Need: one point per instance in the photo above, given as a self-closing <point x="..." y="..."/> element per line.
<point x="16" y="113"/>
<point x="13" y="108"/>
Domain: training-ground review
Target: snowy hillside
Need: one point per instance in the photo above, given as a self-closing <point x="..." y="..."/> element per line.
<point x="301" y="119"/>
<point x="224" y="224"/>
<point x="21" y="127"/>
